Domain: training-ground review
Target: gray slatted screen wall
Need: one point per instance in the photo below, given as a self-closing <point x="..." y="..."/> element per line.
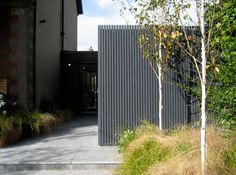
<point x="128" y="88"/>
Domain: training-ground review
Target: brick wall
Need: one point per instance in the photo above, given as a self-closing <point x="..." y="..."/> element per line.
<point x="4" y="48"/>
<point x="16" y="50"/>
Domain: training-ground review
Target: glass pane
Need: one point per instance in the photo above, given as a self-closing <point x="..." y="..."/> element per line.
<point x="89" y="87"/>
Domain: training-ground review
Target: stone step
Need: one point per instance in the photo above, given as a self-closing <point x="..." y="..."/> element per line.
<point x="36" y="166"/>
<point x="60" y="172"/>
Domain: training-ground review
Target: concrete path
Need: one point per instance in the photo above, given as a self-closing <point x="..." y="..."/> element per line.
<point x="72" y="149"/>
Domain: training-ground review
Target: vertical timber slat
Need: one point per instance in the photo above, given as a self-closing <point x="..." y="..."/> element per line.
<point x="128" y="88"/>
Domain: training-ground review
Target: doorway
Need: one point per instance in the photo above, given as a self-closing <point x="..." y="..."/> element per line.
<point x="88" y="82"/>
<point x="79" y="81"/>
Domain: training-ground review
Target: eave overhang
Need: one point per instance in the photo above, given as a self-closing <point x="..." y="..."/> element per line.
<point x="79" y="7"/>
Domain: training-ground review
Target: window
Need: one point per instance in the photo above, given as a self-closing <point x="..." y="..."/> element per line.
<point x="3" y="86"/>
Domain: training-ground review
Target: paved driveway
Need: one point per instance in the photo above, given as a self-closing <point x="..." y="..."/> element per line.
<point x="72" y="147"/>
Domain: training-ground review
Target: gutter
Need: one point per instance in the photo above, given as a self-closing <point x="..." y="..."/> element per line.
<point x="62" y="49"/>
<point x="34" y="53"/>
<point x="79" y="7"/>
<point x="62" y="25"/>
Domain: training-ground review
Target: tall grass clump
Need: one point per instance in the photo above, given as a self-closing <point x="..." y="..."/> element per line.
<point x="142" y="149"/>
<point x="229" y="158"/>
<point x="10" y="130"/>
<point x="42" y="123"/>
<point x="24" y="125"/>
<point x="17" y="122"/>
<point x="177" y="152"/>
<point x="138" y="160"/>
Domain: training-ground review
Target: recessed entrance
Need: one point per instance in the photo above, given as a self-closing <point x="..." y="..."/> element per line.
<point x="79" y="81"/>
<point x="88" y="82"/>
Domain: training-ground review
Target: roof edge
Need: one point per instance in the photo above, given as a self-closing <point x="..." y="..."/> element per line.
<point x="79" y="7"/>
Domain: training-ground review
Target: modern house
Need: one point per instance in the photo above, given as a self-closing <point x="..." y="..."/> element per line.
<point x="118" y="83"/>
<point x="38" y="61"/>
<point x="33" y="33"/>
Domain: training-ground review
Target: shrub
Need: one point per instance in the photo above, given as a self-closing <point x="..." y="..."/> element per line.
<point x="128" y="135"/>
<point x="222" y="96"/>
<point x="2" y="104"/>
<point x="227" y="122"/>
<point x="9" y="106"/>
<point x="125" y="138"/>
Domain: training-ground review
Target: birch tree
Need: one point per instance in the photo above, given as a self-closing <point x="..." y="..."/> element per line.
<point x="203" y="87"/>
<point x="164" y="21"/>
<point x="201" y="64"/>
<point x="155" y="38"/>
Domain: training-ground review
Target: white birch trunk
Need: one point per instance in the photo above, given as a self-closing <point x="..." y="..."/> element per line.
<point x="203" y="86"/>
<point x="160" y="84"/>
<point x="160" y="95"/>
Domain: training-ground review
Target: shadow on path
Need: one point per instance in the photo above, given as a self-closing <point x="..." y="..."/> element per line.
<point x="72" y="146"/>
<point x="67" y="130"/>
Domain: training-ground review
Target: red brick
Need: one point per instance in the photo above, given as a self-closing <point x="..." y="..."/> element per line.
<point x="13" y="95"/>
<point x="14" y="50"/>
<point x="13" y="35"/>
<point x="13" y="64"/>
<point x="14" y="81"/>
<point x="14" y="19"/>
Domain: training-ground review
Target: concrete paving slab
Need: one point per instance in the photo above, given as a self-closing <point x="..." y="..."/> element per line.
<point x="74" y="145"/>
<point x="62" y="172"/>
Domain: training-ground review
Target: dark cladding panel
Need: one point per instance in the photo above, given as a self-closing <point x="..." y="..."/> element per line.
<point x="128" y="88"/>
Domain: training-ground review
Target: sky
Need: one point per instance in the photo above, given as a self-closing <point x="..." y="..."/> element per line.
<point x="103" y="12"/>
<point x="96" y="12"/>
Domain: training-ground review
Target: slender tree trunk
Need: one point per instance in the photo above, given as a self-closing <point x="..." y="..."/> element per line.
<point x="160" y="84"/>
<point x="160" y="96"/>
<point x="203" y="86"/>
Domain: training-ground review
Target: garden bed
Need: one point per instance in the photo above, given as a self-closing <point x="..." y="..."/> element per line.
<point x="149" y="151"/>
<point x="29" y="124"/>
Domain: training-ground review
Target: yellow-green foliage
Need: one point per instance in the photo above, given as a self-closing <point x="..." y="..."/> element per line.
<point x="12" y="127"/>
<point x="140" y="159"/>
<point x="178" y="152"/>
<point x="10" y="130"/>
<point x="229" y="156"/>
<point x="126" y="137"/>
<point x="43" y="123"/>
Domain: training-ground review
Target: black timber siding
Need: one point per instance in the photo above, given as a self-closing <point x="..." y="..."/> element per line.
<point x="128" y="88"/>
